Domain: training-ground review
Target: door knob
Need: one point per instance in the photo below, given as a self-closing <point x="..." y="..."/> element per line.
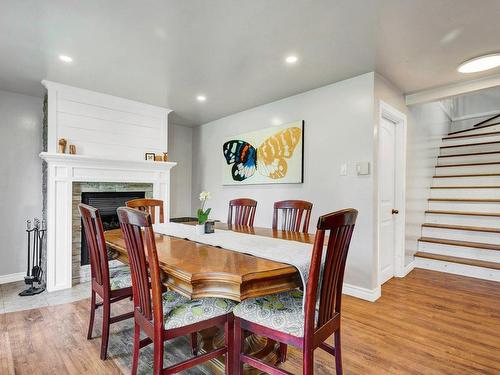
<point x="395" y="212"/>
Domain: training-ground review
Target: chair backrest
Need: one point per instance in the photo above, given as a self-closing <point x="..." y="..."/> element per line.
<point x="96" y="244"/>
<point x="242" y="212"/>
<point x="294" y="214"/>
<point x="136" y="226"/>
<point x="149" y="206"/>
<point x="339" y="227"/>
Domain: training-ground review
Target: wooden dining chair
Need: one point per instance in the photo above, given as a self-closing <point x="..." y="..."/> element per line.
<point x="281" y="316"/>
<point x="111" y="285"/>
<point x="163" y="315"/>
<point x="294" y="214"/>
<point x="149" y="206"/>
<point x="242" y="212"/>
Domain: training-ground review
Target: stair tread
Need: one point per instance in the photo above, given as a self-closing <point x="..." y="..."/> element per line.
<point x="465" y="213"/>
<point x="468" y="175"/>
<point x="477" y="245"/>
<point x="476" y="128"/>
<point x="472" y="144"/>
<point x="472" y="200"/>
<point x="468" y="164"/>
<point x="471" y="135"/>
<point x="470" y="154"/>
<point x="461" y="227"/>
<point x="466" y="261"/>
<point x="467" y="187"/>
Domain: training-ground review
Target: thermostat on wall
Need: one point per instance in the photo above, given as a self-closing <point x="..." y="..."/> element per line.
<point x="363" y="168"/>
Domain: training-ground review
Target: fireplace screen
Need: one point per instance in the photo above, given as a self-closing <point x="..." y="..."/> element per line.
<point x="106" y="203"/>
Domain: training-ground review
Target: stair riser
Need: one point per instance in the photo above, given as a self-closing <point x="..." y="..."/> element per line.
<point x="471" y="149"/>
<point x="469" y="159"/>
<point x="462" y="141"/>
<point x="466" y="193"/>
<point x="467" y="181"/>
<point x="460" y="251"/>
<point x="488" y="129"/>
<point x="461" y="235"/>
<point x="472" y="169"/>
<point x="472" y="221"/>
<point x="465" y="207"/>
<point x="458" y="269"/>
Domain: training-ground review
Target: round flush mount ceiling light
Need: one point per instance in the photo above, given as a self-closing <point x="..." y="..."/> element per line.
<point x="292" y="59"/>
<point x="66" y="59"/>
<point x="479" y="64"/>
<point x="201" y="98"/>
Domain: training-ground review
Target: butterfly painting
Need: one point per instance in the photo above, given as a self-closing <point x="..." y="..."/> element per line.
<point x="272" y="155"/>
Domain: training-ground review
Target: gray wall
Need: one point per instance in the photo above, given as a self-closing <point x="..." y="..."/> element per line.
<point x="338" y="129"/>
<point x="180" y="142"/>
<point x="20" y="175"/>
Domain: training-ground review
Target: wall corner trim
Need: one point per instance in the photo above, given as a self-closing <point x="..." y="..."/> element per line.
<point x="12" y="277"/>
<point x="363" y="293"/>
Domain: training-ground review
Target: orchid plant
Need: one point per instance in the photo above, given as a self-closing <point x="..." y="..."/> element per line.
<point x="202" y="213"/>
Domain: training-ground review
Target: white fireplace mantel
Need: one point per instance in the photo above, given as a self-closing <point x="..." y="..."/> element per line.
<point x="62" y="171"/>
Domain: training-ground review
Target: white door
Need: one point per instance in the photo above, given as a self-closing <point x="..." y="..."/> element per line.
<point x="387" y="183"/>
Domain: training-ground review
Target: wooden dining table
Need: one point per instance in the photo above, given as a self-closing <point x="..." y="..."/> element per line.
<point x="198" y="270"/>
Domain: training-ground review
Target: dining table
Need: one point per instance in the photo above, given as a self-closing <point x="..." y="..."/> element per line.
<point x="197" y="270"/>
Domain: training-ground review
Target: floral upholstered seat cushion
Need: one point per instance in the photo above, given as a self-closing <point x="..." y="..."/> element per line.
<point x="281" y="312"/>
<point x="187" y="311"/>
<point x="120" y="278"/>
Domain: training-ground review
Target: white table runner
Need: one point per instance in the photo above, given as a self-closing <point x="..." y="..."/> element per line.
<point x="297" y="254"/>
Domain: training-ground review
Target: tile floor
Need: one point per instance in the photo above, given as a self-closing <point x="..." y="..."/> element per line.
<point x="10" y="300"/>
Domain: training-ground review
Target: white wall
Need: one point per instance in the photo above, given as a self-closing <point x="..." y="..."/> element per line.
<point x="338" y="129"/>
<point x="180" y="142"/>
<point x="20" y="176"/>
<point x="428" y="123"/>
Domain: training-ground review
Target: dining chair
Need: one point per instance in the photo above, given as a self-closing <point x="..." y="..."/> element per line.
<point x="111" y="285"/>
<point x="163" y="315"/>
<point x="148" y="205"/>
<point x="242" y="212"/>
<point x="294" y="214"/>
<point x="281" y="316"/>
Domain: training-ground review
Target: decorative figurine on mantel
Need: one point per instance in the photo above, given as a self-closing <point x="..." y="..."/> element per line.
<point x="62" y="146"/>
<point x="72" y="149"/>
<point x="202" y="214"/>
<point x="165" y="156"/>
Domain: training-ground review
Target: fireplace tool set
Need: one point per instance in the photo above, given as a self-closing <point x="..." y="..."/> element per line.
<point x="34" y="274"/>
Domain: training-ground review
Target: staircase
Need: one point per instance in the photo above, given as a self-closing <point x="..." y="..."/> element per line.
<point x="461" y="233"/>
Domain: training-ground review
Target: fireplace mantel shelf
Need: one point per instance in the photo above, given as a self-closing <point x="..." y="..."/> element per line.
<point x="117" y="163"/>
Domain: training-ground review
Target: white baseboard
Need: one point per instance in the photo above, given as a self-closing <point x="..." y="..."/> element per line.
<point x="458" y="269"/>
<point x="13" y="277"/>
<point x="363" y="293"/>
<point x="408" y="268"/>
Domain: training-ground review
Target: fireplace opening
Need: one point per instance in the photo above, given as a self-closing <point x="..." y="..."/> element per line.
<point x="107" y="203"/>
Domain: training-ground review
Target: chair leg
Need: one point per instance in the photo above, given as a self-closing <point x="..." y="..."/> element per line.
<point x="338" y="353"/>
<point x="239" y="338"/>
<point x="282" y="352"/>
<point x="158" y="347"/>
<point x="92" y="315"/>
<point x="308" y="362"/>
<point x="228" y="342"/>
<point x="194" y="343"/>
<point x="105" y="329"/>
<point x="137" y="343"/>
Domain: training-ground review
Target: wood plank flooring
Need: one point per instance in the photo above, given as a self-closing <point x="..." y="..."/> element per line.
<point x="426" y="323"/>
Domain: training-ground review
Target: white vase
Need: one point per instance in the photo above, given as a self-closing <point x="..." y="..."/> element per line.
<point x="200" y="228"/>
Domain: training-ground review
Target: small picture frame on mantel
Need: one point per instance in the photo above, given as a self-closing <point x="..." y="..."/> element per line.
<point x="150" y="156"/>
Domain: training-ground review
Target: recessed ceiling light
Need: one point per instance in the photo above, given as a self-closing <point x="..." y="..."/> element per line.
<point x="291" y="59"/>
<point x="480" y="63"/>
<point x="201" y="98"/>
<point x="65" y="58"/>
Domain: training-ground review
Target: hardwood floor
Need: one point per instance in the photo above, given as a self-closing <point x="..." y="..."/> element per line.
<point x="426" y="323"/>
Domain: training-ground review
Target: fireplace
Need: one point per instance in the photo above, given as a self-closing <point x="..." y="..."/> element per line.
<point x="106" y="202"/>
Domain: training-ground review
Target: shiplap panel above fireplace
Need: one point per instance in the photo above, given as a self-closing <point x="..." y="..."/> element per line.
<point x="104" y="125"/>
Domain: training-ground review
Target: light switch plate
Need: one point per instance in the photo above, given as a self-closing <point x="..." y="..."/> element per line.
<point x="363" y="168"/>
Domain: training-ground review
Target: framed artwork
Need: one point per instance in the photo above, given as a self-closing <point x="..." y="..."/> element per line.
<point x="274" y="155"/>
<point x="150" y="156"/>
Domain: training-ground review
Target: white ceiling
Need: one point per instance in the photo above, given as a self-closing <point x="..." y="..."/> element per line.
<point x="166" y="52"/>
